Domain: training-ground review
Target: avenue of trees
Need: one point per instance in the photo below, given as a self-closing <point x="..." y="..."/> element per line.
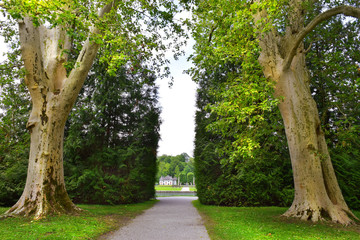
<point x="180" y="167"/>
<point x="278" y="104"/>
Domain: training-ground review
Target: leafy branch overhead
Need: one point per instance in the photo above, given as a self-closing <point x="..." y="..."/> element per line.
<point x="137" y="31"/>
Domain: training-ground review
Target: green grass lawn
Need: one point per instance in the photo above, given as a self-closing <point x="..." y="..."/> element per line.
<point x="171" y="188"/>
<point x="92" y="223"/>
<point x="167" y="188"/>
<point x="248" y="223"/>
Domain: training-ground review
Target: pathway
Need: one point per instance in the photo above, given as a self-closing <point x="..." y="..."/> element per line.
<point x="172" y="218"/>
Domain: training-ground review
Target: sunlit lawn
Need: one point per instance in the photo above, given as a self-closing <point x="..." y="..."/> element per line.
<point x="265" y="223"/>
<point x="171" y="188"/>
<point x="167" y="188"/>
<point x="93" y="222"/>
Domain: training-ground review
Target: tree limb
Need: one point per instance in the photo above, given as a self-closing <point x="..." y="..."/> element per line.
<point x="85" y="59"/>
<point x="211" y="32"/>
<point x="309" y="47"/>
<point x="346" y="10"/>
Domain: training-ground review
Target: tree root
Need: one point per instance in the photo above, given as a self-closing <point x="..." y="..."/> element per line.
<point x="41" y="209"/>
<point x="334" y="214"/>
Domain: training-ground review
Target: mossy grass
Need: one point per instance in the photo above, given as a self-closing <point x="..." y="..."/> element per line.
<point x="167" y="188"/>
<point x="93" y="222"/>
<point x="266" y="223"/>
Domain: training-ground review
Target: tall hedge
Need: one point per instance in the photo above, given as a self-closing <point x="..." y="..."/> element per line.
<point x="112" y="138"/>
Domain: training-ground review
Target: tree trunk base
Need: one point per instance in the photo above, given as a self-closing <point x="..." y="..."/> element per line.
<point x="333" y="213"/>
<point x="41" y="208"/>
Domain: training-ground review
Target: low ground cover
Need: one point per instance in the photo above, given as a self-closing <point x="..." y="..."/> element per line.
<point x="266" y="223"/>
<point x="167" y="188"/>
<point x="92" y="223"/>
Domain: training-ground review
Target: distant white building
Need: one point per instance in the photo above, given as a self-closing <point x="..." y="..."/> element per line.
<point x="167" y="180"/>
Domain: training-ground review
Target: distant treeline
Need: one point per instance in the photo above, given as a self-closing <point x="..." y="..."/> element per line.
<point x="180" y="167"/>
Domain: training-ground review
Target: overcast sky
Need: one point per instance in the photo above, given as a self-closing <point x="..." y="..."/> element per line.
<point x="178" y="108"/>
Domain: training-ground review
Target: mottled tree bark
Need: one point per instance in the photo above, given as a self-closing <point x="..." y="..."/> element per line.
<point x="53" y="94"/>
<point x="317" y="193"/>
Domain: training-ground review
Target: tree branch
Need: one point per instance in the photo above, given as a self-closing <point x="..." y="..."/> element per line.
<point x="211" y="32"/>
<point x="309" y="47"/>
<point x="85" y="59"/>
<point x="346" y="10"/>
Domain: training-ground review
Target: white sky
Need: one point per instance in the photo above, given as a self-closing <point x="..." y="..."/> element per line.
<point x="178" y="108"/>
<point x="2" y="47"/>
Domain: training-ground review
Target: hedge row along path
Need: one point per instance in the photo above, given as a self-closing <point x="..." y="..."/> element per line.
<point x="171" y="218"/>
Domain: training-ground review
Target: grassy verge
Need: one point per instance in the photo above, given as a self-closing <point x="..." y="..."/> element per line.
<point x="167" y="188"/>
<point x="265" y="223"/>
<point x="92" y="223"/>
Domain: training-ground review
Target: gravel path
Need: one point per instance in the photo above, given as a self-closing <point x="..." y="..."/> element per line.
<point x="172" y="218"/>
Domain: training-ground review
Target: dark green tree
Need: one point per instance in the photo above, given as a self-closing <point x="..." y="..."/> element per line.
<point x="14" y="138"/>
<point x="112" y="138"/>
<point x="333" y="61"/>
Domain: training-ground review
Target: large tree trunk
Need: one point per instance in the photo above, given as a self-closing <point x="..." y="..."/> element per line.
<point x="317" y="193"/>
<point x="53" y="94"/>
<point x="45" y="192"/>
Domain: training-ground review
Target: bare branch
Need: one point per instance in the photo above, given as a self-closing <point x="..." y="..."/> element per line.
<point x="311" y="43"/>
<point x="346" y="10"/>
<point x="211" y="32"/>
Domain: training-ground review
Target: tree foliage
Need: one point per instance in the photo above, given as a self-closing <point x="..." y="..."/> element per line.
<point x="134" y="31"/>
<point x="112" y="137"/>
<point x="14" y="139"/>
<point x="222" y="179"/>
